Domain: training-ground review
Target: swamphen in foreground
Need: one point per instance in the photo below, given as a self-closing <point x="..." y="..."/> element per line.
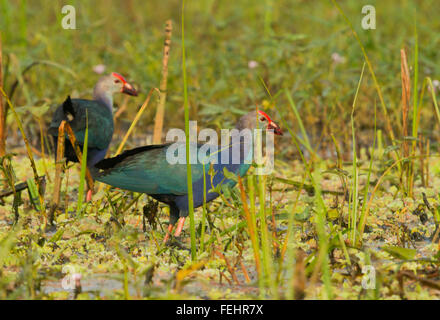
<point x="147" y="170"/>
<point x="99" y="113"/>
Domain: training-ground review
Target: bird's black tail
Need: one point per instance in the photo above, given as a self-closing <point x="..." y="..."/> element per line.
<point x="68" y="110"/>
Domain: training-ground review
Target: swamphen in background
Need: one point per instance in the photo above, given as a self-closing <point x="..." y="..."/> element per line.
<point x="147" y="170"/>
<point x="99" y="113"/>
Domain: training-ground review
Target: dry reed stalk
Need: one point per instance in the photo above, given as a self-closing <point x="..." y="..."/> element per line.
<point x="245" y="273"/>
<point x="222" y="275"/>
<point x="184" y="273"/>
<point x="136" y="119"/>
<point x="160" y="112"/>
<point x="299" y="285"/>
<point x="426" y="282"/>
<point x="406" y="87"/>
<point x="228" y="266"/>
<point x="58" y="171"/>
<point x="78" y="153"/>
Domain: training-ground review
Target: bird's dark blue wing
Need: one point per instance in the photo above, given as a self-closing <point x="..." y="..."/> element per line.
<point x="147" y="170"/>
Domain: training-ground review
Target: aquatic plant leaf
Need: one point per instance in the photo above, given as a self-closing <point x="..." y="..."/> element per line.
<point x="400" y="253"/>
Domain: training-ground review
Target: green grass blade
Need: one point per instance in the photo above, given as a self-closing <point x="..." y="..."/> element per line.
<point x="305" y="138"/>
<point x="204" y="212"/>
<point x="33" y="194"/>
<point x="188" y="163"/>
<point x="270" y="275"/>
<point x="370" y="168"/>
<point x="83" y="171"/>
<point x="355" y="183"/>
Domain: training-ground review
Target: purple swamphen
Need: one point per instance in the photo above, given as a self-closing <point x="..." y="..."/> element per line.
<point x="99" y="113"/>
<point x="149" y="170"/>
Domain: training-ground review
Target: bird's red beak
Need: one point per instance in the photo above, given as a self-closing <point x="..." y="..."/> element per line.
<point x="271" y="125"/>
<point x="276" y="129"/>
<point x="129" y="89"/>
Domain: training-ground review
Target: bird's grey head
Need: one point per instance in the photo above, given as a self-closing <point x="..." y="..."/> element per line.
<point x="113" y="83"/>
<point x="258" y="119"/>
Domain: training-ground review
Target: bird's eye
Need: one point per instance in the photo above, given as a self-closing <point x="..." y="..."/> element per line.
<point x="117" y="81"/>
<point x="262" y="119"/>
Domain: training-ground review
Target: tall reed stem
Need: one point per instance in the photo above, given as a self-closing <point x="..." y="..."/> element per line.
<point x="188" y="156"/>
<point x="160" y="112"/>
<point x="58" y="171"/>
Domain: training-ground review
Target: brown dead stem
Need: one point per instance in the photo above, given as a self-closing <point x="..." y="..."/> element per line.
<point x="78" y="153"/>
<point x="160" y="112"/>
<point x="58" y="171"/>
<point x="228" y="266"/>
<point x="425" y="282"/>
<point x="406" y="87"/>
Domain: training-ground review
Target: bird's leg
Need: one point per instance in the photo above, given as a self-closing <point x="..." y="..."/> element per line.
<point x="89" y="195"/>
<point x="167" y="236"/>
<point x="90" y="184"/>
<point x="179" y="226"/>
